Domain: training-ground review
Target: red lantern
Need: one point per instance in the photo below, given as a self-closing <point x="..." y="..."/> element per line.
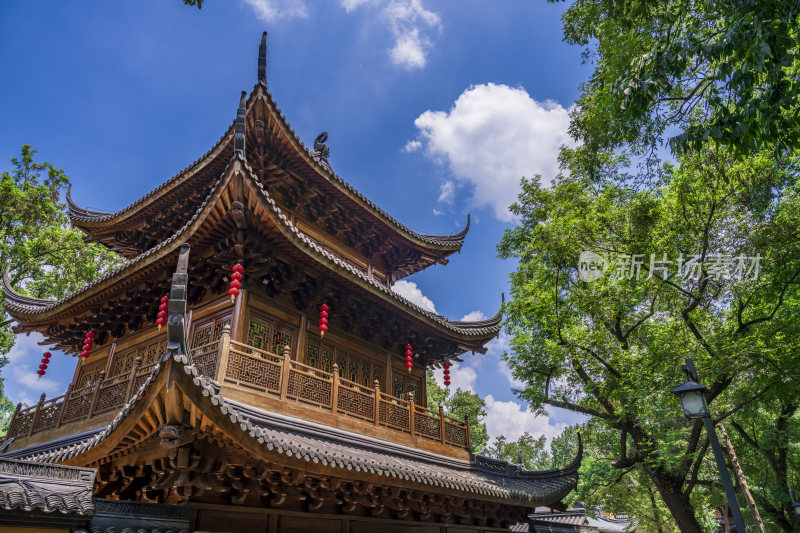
<point x="236" y="281"/>
<point x="162" y="312"/>
<point x="409" y="358"/>
<point x="43" y="366"/>
<point x="88" y="341"/>
<point x="323" y="319"/>
<point x="446" y="368"/>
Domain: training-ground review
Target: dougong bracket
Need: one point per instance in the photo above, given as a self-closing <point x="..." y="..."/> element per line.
<point x="176" y="321"/>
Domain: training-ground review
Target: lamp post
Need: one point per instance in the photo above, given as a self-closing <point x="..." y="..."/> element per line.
<point x="693" y="401"/>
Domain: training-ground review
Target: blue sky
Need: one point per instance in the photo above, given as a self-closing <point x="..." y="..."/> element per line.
<point x="434" y="110"/>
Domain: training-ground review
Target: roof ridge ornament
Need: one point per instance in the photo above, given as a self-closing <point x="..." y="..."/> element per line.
<point x="262" y="59"/>
<point x="239" y="127"/>
<point x="176" y="322"/>
<point x="321" y="150"/>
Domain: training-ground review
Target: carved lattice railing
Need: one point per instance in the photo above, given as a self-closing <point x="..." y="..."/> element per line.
<point x="276" y="375"/>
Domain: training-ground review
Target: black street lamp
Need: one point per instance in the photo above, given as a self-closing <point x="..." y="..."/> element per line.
<point x="693" y="401"/>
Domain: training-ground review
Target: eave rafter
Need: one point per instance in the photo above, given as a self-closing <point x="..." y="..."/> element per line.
<point x="239" y="221"/>
<point x="179" y="440"/>
<point x="296" y="177"/>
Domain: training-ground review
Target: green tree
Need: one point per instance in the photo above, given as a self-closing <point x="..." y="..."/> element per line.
<point x="457" y="405"/>
<point x="44" y="256"/>
<point x="526" y="450"/>
<point x="612" y="348"/>
<point x="720" y="70"/>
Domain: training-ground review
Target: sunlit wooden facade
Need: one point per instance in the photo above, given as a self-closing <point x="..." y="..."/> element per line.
<point x="263" y="424"/>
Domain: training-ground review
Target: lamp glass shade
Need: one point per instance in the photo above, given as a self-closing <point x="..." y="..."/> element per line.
<point x="796" y="506"/>
<point x="694" y="404"/>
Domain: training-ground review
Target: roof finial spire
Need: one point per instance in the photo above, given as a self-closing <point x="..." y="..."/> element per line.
<point x="262" y="59"/>
<point x="239" y="127"/>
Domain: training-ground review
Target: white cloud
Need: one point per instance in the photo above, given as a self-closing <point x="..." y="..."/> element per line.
<point x="496" y="348"/>
<point x="410" y="291"/>
<point x="33" y="385"/>
<point x="437" y="213"/>
<point x="493" y="136"/>
<point x="350" y="5"/>
<point x="512" y="420"/>
<point x="411" y="26"/>
<point x="410" y="23"/>
<point x="22" y="383"/>
<point x="462" y="377"/>
<point x="412" y="146"/>
<point x="272" y="10"/>
<point x="473" y="316"/>
<point x="447" y="192"/>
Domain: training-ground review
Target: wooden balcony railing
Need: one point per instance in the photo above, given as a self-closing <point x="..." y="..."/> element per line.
<point x="275" y="376"/>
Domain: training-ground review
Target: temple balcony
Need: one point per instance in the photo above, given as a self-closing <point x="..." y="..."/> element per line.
<point x="256" y="377"/>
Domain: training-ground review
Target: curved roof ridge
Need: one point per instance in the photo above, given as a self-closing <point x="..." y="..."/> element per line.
<point x="50" y="304"/>
<point x="455" y="240"/>
<point x="80" y="214"/>
<point x="35" y="306"/>
<point x="480" y="476"/>
<point x="466" y="328"/>
<point x="491" y="321"/>
<point x="12" y="296"/>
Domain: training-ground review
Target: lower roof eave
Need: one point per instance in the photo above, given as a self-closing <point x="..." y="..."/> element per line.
<point x="297" y="443"/>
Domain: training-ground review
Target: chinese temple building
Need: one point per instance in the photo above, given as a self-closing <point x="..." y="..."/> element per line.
<point x="287" y="390"/>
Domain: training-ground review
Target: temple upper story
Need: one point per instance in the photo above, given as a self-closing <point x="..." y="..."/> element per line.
<point x="303" y="238"/>
<point x="290" y="375"/>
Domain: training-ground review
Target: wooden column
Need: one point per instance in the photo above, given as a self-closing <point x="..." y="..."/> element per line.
<point x="387" y="388"/>
<point x="377" y="402"/>
<point x="469" y="437"/>
<point x="132" y="380"/>
<point x="302" y="335"/>
<point x="441" y="423"/>
<point x="222" y="353"/>
<point x="63" y="410"/>
<point x="411" y="412"/>
<point x="285" y="369"/>
<point x="36" y="414"/>
<point x="100" y="377"/>
<point x="110" y="361"/>
<point x="13" y="417"/>
<point x="238" y="316"/>
<point x="335" y="393"/>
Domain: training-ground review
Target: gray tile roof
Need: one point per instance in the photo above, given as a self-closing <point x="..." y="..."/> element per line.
<point x="317" y="443"/>
<point x="32" y="486"/>
<point x="18" y="304"/>
<point x="80" y="215"/>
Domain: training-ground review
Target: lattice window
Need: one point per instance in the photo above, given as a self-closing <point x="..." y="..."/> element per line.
<point x="258" y="333"/>
<point x="326" y="361"/>
<point x="218" y="325"/>
<point x="89" y="374"/>
<point x="209" y="331"/>
<point x="282" y="337"/>
<point x="312" y="354"/>
<point x="412" y="386"/>
<point x="341" y="360"/>
<point x="398" y="387"/>
<point x="377" y="373"/>
<point x="352" y="369"/>
<point x="366" y="373"/>
<point x="269" y="334"/>
<point x="123" y="362"/>
<point x="154" y="351"/>
<point x="402" y="385"/>
<point x="149" y="353"/>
